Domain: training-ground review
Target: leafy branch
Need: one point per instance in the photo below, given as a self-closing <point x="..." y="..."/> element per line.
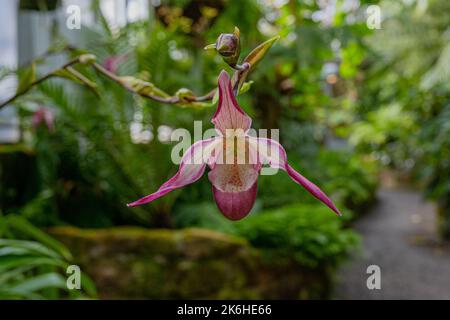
<point x="29" y="80"/>
<point x="227" y="45"/>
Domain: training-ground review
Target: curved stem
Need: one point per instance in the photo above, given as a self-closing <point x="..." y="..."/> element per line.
<point x="102" y="70"/>
<point x="116" y="79"/>
<point x="37" y="81"/>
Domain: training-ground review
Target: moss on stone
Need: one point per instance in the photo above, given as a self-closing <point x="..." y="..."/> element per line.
<point x="138" y="263"/>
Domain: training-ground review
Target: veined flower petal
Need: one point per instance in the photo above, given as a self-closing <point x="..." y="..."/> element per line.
<point x="235" y="205"/>
<point x="229" y="116"/>
<point x="273" y="153"/>
<point x="191" y="169"/>
<point x="234" y="188"/>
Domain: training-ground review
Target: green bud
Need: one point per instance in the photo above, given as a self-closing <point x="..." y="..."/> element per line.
<point x="87" y="58"/>
<point x="185" y="95"/>
<point x="228" y="46"/>
<point x="245" y="87"/>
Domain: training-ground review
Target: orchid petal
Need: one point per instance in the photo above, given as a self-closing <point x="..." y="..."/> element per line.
<point x="273" y="153"/>
<point x="229" y="115"/>
<point x="191" y="169"/>
<point x="233" y="178"/>
<point x="234" y="188"/>
<point x="235" y="205"/>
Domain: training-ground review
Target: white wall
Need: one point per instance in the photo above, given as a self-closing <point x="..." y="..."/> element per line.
<point x="9" y="131"/>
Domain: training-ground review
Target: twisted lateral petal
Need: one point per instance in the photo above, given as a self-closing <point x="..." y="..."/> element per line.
<point x="191" y="169"/>
<point x="273" y="153"/>
<point x="229" y="115"/>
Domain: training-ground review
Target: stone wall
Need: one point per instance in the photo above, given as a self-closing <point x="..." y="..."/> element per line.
<point x="137" y="263"/>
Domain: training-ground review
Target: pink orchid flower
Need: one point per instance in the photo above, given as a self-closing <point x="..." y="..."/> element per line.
<point x="43" y="115"/>
<point x="112" y="63"/>
<point x="234" y="181"/>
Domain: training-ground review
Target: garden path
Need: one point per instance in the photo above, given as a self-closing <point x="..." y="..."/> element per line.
<point x="399" y="235"/>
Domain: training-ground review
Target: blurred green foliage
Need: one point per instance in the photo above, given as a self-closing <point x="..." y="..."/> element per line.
<point x="401" y="116"/>
<point x="110" y="147"/>
<point x="342" y="95"/>
<point x="304" y="232"/>
<point x="349" y="177"/>
<point x="106" y="152"/>
<point x="33" y="265"/>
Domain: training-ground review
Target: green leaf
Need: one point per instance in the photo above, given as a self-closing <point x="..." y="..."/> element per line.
<point x="25" y="247"/>
<point x="352" y="56"/>
<point x="6" y="293"/>
<point x="100" y="17"/>
<point x="63" y="73"/>
<point x="216" y="97"/>
<point x="48" y="280"/>
<point x="12" y="274"/>
<point x="31" y="231"/>
<point x="257" y="54"/>
<point x="245" y="87"/>
<point x="75" y="76"/>
<point x="13" y="148"/>
<point x="4" y="72"/>
<point x="88" y="285"/>
<point x="253" y="58"/>
<point x="12" y="251"/>
<point x="27" y="78"/>
<point x="10" y="262"/>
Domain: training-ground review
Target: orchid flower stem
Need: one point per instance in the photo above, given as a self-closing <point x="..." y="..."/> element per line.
<point x="206" y="97"/>
<point x="169" y="100"/>
<point x="241" y="67"/>
<point x="240" y="70"/>
<point x="118" y="80"/>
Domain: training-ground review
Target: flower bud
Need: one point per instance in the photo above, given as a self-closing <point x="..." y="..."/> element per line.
<point x="185" y="95"/>
<point x="87" y="58"/>
<point x="228" y="46"/>
<point x="43" y="116"/>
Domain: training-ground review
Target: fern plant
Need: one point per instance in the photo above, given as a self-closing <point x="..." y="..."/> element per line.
<point x="34" y="266"/>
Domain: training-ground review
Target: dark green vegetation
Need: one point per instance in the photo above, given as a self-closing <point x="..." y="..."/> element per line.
<point x="131" y="262"/>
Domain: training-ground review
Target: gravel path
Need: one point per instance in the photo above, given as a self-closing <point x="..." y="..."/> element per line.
<point x="399" y="235"/>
